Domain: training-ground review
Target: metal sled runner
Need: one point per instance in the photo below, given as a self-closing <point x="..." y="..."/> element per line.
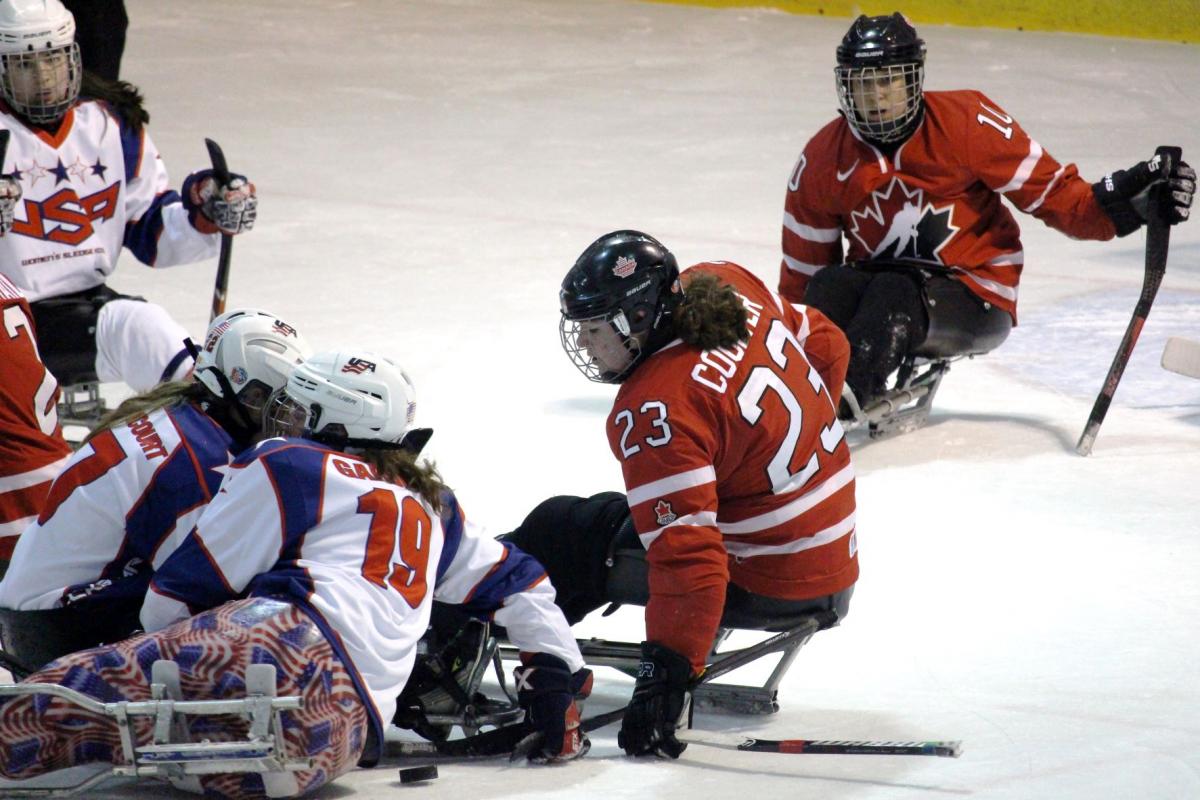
<point x="708" y="696"/>
<point x="171" y="755"/>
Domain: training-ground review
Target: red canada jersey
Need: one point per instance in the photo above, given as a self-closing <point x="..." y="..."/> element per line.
<point x="936" y="200"/>
<point x="736" y="466"/>
<point x="32" y="449"/>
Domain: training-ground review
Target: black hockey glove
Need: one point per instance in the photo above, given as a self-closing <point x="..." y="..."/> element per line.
<point x="215" y="208"/>
<point x="660" y="699"/>
<point x="547" y="691"/>
<point x="1125" y="194"/>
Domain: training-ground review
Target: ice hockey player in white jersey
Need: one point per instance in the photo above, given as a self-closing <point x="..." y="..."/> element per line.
<point x="348" y="524"/>
<point x="82" y="179"/>
<point x="338" y="543"/>
<point x="134" y="489"/>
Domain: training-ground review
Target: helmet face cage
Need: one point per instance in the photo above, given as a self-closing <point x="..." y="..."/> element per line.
<point x="882" y="103"/>
<point x="284" y="416"/>
<point x="602" y="347"/>
<point x="41" y="85"/>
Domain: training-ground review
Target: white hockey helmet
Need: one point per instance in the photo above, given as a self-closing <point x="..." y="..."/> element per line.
<point x="348" y="398"/>
<point x="247" y="355"/>
<point x="40" y="68"/>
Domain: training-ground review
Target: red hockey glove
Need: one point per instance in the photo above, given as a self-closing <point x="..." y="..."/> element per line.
<point x="547" y="691"/>
<point x="1125" y="194"/>
<point x="10" y="195"/>
<point x="230" y="208"/>
<point x="660" y="699"/>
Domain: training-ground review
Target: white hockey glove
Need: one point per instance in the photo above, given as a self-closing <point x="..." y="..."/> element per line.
<point x="10" y="195"/>
<point x="1125" y="194"/>
<point x="213" y="208"/>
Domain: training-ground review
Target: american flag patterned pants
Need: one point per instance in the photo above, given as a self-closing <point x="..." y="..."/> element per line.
<point x="40" y="733"/>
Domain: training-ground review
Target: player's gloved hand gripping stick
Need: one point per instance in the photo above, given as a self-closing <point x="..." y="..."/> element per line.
<point x="1161" y="212"/>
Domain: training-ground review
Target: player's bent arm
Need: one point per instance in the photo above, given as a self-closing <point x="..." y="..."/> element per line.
<point x="158" y="231"/>
<point x="688" y="576"/>
<point x="238" y="536"/>
<point x="536" y="625"/>
<point x="491" y="578"/>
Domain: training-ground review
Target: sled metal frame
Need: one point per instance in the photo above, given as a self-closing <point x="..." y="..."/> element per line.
<point x="495" y="713"/>
<point x="81" y="405"/>
<point x="906" y="407"/>
<point x="718" y="697"/>
<point x="171" y="755"/>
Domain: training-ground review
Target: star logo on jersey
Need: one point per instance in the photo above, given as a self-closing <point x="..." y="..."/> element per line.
<point x="78" y="169"/>
<point x="60" y="173"/>
<point x="625" y="266"/>
<point x="98" y="169"/>
<point x="35" y="172"/>
<point x="663" y="513"/>
<point x="897" y="223"/>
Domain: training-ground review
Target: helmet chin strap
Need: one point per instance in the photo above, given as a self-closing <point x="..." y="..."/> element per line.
<point x="228" y="398"/>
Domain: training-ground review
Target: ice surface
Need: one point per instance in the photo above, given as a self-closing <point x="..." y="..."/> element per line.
<point x="429" y="170"/>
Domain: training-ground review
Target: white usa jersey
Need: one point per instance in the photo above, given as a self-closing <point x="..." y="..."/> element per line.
<point x="88" y="189"/>
<point x="122" y="503"/>
<point x="364" y="557"/>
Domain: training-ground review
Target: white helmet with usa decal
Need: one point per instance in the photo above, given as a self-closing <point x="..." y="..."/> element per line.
<point x="353" y="398"/>
<point x="247" y="354"/>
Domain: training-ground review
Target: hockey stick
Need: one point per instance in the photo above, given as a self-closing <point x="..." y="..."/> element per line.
<point x="1158" y="236"/>
<point x="948" y="749"/>
<point x="1182" y="356"/>
<point x="4" y="134"/>
<point x="221" y="174"/>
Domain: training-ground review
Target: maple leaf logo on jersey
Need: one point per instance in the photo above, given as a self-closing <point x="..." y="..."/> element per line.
<point x="358" y="366"/>
<point x="898" y="223"/>
<point x="625" y="266"/>
<point x="663" y="512"/>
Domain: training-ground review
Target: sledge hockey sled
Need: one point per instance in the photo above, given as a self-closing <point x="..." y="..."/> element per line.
<point x="951" y="336"/>
<point x="443" y="691"/>
<point x="905" y="407"/>
<point x="791" y="634"/>
<point x="171" y="754"/>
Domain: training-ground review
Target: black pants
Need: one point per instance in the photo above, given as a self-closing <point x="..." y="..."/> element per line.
<point x="891" y="310"/>
<point x="593" y="557"/>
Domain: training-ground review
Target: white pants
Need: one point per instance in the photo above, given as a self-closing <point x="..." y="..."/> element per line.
<point x="135" y="342"/>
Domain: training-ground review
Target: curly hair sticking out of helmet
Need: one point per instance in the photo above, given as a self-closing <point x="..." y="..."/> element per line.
<point x="711" y="314"/>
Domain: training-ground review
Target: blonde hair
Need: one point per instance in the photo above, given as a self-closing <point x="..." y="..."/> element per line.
<point x="401" y="467"/>
<point x="171" y="393"/>
<point x="711" y="314"/>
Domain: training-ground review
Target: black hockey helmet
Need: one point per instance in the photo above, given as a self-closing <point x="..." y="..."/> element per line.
<point x="616" y="304"/>
<point x="877" y="57"/>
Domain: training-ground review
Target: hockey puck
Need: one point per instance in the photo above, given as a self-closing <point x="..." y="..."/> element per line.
<point x="418" y="774"/>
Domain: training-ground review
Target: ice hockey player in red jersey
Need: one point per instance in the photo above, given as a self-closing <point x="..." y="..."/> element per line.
<point x="32" y="448"/>
<point x="82" y="179"/>
<point x="893" y="223"/>
<point x="737" y="472"/>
